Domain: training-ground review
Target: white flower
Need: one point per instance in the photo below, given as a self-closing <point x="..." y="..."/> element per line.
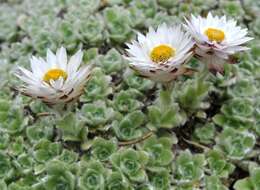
<point x="216" y="37"/>
<point x="55" y="80"/>
<point x="159" y="54"/>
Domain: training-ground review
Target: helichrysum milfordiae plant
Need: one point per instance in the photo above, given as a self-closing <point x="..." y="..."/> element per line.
<point x="131" y="163"/>
<point x="6" y="170"/>
<point x="160" y="152"/>
<point x="237" y="113"/>
<point x="92" y="29"/>
<point x="148" y="7"/>
<point x="3" y="185"/>
<point x="98" y="86"/>
<point x="42" y="129"/>
<point x="136" y="17"/>
<point x="165" y="113"/>
<point x="92" y="176"/>
<point x="189" y="168"/>
<point x="102" y="149"/>
<point x="58" y="175"/>
<point x="216" y="38"/>
<point x="116" y="180"/>
<point x="17" y="147"/>
<point x="137" y="82"/>
<point x="244" y="87"/>
<point x="55" y="80"/>
<point x="160" y="180"/>
<point x="159" y="55"/>
<point x="8" y="18"/>
<point x="241" y="108"/>
<point x="126" y="101"/>
<point x="4" y="140"/>
<point x="45" y="150"/>
<point x="199" y="89"/>
<point x="112" y="62"/>
<point x="249" y="183"/>
<point x="206" y="133"/>
<point x="97" y="115"/>
<point x="68" y="156"/>
<point x="128" y="132"/>
<point x="235" y="144"/>
<point x="214" y="183"/>
<point x="218" y="165"/>
<point x="12" y="119"/>
<point x="117" y="23"/>
<point x="130" y="127"/>
<point x="24" y="163"/>
<point x="72" y="128"/>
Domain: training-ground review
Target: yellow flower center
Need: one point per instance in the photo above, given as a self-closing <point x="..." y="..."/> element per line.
<point x="162" y="53"/>
<point x="215" y="34"/>
<point x="54" y="74"/>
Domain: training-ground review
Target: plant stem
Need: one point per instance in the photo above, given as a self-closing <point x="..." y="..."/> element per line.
<point x="144" y="137"/>
<point x="42" y="114"/>
<point x="167" y="86"/>
<point x="197" y="144"/>
<point x="204" y="73"/>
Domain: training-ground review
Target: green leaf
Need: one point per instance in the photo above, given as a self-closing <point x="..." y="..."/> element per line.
<point x="243" y="88"/>
<point x="42" y="129"/>
<point x="159" y="150"/>
<point x="129" y="127"/>
<point x="91" y="30"/>
<point x="45" y="151"/>
<point x="92" y="176"/>
<point x="6" y="170"/>
<point x="3" y="185"/>
<point x="166" y="114"/>
<point x="112" y="62"/>
<point x="235" y="144"/>
<point x="68" y="156"/>
<point x="72" y="128"/>
<point x="218" y="165"/>
<point x="102" y="149"/>
<point x="117" y="181"/>
<point x="118" y="23"/>
<point x="131" y="163"/>
<point x="199" y="90"/>
<point x="243" y="184"/>
<point x="160" y="180"/>
<point x="98" y="87"/>
<point x="255" y="177"/>
<point x="97" y="115"/>
<point x="125" y="101"/>
<point x="214" y="183"/>
<point x="206" y="133"/>
<point x="189" y="168"/>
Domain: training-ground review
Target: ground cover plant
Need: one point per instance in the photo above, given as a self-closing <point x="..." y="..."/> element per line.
<point x="124" y="128"/>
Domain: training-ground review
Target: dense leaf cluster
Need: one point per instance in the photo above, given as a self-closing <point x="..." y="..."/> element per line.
<point x="127" y="132"/>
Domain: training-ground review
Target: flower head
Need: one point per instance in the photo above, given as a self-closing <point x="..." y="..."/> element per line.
<point x="159" y="54"/>
<point x="216" y="37"/>
<point x="55" y="80"/>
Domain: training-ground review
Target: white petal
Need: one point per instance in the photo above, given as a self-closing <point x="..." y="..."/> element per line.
<point x="37" y="69"/>
<point x="139" y="51"/>
<point x="74" y="62"/>
<point x="51" y="59"/>
<point x="57" y="91"/>
<point x="235" y="36"/>
<point x="62" y="58"/>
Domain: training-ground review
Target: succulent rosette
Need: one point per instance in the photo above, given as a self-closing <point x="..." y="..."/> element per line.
<point x="55" y="80"/>
<point x="92" y="176"/>
<point x="216" y="38"/>
<point x="160" y="54"/>
<point x="131" y="163"/>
